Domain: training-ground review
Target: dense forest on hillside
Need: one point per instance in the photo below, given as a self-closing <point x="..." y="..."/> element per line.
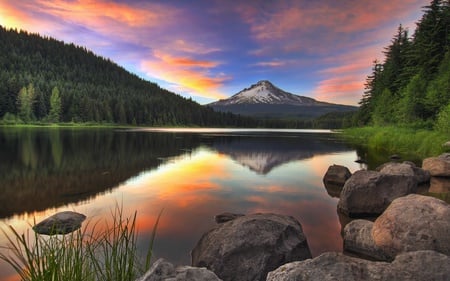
<point x="42" y="79"/>
<point x="412" y="85"/>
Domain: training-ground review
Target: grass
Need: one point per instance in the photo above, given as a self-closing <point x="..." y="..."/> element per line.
<point x="400" y="140"/>
<point x="84" y="255"/>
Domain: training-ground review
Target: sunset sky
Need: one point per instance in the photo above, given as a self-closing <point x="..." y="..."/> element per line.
<point x="211" y="49"/>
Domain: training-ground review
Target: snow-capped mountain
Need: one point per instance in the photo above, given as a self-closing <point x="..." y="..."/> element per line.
<point x="263" y="98"/>
<point x="265" y="92"/>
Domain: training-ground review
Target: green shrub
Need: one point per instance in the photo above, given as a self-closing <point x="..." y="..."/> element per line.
<point x="443" y="120"/>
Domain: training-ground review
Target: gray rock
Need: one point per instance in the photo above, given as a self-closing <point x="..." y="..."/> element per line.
<point x="358" y="239"/>
<point x="248" y="247"/>
<point x="368" y="193"/>
<point x="337" y="175"/>
<point x="335" y="178"/>
<point x="420" y="265"/>
<point x="412" y="223"/>
<point x="162" y="270"/>
<point x="438" y="166"/>
<point x="406" y="169"/>
<point x="224" y="217"/>
<point x="60" y="223"/>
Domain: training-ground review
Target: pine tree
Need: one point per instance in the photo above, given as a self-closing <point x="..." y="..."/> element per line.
<point x="55" y="106"/>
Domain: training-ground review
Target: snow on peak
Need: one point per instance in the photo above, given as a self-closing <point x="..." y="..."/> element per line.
<point x="264" y="92"/>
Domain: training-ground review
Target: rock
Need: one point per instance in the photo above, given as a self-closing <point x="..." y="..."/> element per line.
<point x="405" y="169"/>
<point x="335" y="178"/>
<point x="248" y="247"/>
<point x="439" y="185"/>
<point x="162" y="270"/>
<point x="224" y="217"/>
<point x="395" y="157"/>
<point x="368" y="193"/>
<point x="358" y="239"/>
<point x="337" y="174"/>
<point x="412" y="223"/>
<point x="60" y="223"/>
<point x="446" y="144"/>
<point x="334" y="190"/>
<point x="438" y="166"/>
<point x="421" y="265"/>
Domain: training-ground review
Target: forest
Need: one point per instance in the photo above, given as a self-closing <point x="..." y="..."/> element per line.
<point x="411" y="87"/>
<point x="45" y="80"/>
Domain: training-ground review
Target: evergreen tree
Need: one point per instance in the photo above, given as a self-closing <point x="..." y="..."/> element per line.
<point x="55" y="106"/>
<point x="25" y="103"/>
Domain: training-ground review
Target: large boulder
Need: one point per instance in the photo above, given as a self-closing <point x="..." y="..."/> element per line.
<point x="60" y="223"/>
<point x="405" y="169"/>
<point x="438" y="166"/>
<point x="358" y="239"/>
<point x="412" y="223"/>
<point x="163" y="270"/>
<point x="368" y="193"/>
<point x="421" y="265"/>
<point x="248" y="247"/>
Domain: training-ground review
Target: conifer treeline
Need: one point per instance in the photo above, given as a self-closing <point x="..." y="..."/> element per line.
<point x="42" y="79"/>
<point x="412" y="85"/>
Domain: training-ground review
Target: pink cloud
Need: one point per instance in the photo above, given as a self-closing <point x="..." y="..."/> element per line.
<point x="189" y="74"/>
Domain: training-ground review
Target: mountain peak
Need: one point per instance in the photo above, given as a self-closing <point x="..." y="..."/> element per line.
<point x="264" y="92"/>
<point x="265" y="99"/>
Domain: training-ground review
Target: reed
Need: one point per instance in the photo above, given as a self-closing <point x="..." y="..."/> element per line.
<point x="90" y="253"/>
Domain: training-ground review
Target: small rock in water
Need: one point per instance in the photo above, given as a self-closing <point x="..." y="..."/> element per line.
<point x="60" y="223"/>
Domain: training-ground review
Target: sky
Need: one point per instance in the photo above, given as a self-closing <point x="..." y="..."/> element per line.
<point x="212" y="49"/>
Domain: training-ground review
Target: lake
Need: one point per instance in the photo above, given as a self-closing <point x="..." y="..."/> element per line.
<point x="193" y="174"/>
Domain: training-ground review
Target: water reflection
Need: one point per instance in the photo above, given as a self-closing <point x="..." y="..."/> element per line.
<point x="44" y="168"/>
<point x="191" y="176"/>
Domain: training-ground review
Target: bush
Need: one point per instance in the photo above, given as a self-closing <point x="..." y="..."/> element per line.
<point x="443" y="120"/>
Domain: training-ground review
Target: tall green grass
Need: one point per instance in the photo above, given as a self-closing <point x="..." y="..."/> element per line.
<point x="84" y="255"/>
<point x="406" y="141"/>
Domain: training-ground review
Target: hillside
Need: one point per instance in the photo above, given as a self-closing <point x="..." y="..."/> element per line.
<point x="263" y="99"/>
<point x="86" y="88"/>
<point x="411" y="87"/>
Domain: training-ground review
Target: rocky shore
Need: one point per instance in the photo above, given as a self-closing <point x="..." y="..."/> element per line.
<point x="409" y="239"/>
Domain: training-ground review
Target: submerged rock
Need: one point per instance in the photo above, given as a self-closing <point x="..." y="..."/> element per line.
<point x="60" y="223"/>
<point x="438" y="166"/>
<point x="420" y="265"/>
<point x="413" y="223"/>
<point x="368" y="193"/>
<point x="248" y="247"/>
<point x="163" y="270"/>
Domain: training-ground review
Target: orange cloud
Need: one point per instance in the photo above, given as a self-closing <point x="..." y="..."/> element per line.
<point x="187" y="73"/>
<point x="12" y="16"/>
<point x="97" y="13"/>
<point x="340" y="89"/>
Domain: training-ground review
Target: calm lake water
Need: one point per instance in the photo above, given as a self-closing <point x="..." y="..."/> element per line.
<point x="193" y="174"/>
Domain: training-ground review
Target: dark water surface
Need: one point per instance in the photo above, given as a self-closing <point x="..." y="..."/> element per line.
<point x="192" y="174"/>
